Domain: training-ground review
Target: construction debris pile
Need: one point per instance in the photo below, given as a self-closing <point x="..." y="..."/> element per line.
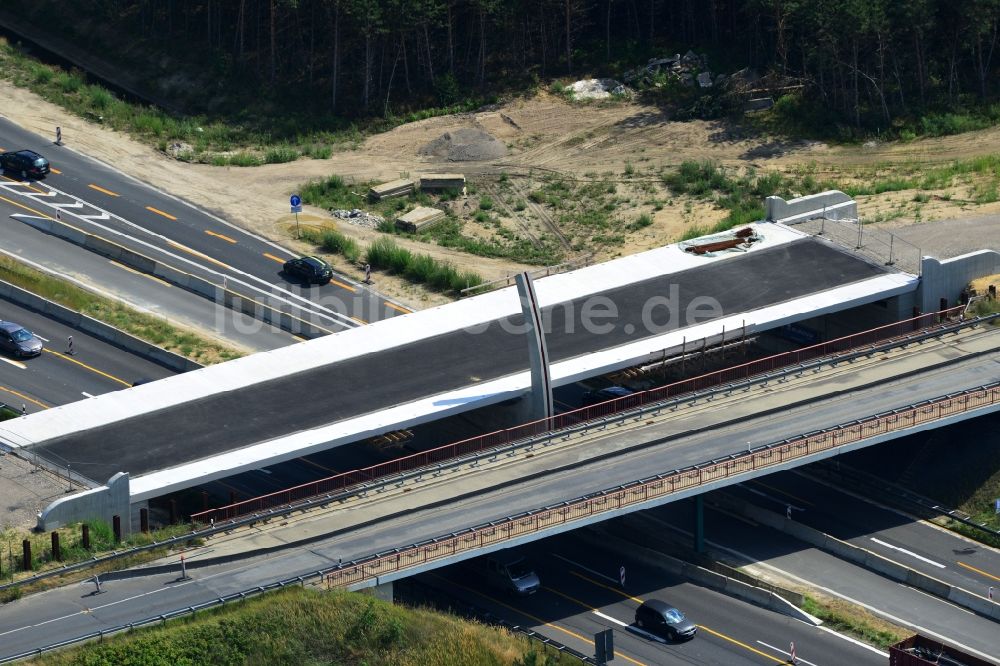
<point x="358" y="218"/>
<point x="739" y="241"/>
<point x="598" y="89"/>
<point x="689" y="69"/>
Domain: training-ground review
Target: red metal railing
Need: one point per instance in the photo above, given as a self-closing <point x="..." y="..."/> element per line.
<point x="345" y="480"/>
<point x="661" y="486"/>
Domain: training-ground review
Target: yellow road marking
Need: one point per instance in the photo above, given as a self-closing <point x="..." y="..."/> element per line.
<point x="743" y="645"/>
<point x="359" y="320"/>
<point x="317" y="465"/>
<point x="160" y="212"/>
<point x="396" y="307"/>
<point x="784" y="492"/>
<point x="596" y="610"/>
<point x="102" y="190"/>
<point x="978" y="571"/>
<point x="342" y="285"/>
<point x="225" y="238"/>
<point x="54" y="170"/>
<point x="88" y="367"/>
<point x="606" y="587"/>
<point x="586" y="641"/>
<point x="145" y="275"/>
<point x="196" y="253"/>
<point x="20" y="205"/>
<point x="274" y="258"/>
<point x="299" y="338"/>
<point x="23" y="397"/>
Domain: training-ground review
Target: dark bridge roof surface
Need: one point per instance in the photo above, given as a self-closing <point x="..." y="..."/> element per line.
<point x="355" y="386"/>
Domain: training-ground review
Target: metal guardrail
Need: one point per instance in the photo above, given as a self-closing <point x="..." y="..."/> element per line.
<point x="845" y="473"/>
<point x="545" y="271"/>
<point x="905" y="331"/>
<point x="155" y="619"/>
<point x="644" y="490"/>
<point x="636" y="492"/>
<point x="461" y="453"/>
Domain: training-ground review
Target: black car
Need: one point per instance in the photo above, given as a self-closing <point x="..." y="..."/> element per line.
<point x="24" y="163"/>
<point x="309" y="269"/>
<point x="18" y="340"/>
<point x="659" y="617"/>
<point x="605" y="394"/>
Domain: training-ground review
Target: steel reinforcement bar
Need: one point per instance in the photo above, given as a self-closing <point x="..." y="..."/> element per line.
<point x="645" y="490"/>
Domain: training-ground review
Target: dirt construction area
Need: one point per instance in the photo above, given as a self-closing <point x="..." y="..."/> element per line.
<point x="557" y="153"/>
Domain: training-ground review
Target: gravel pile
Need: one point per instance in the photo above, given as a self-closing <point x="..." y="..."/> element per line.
<point x="597" y="89"/>
<point x="465" y="145"/>
<point x="358" y="217"/>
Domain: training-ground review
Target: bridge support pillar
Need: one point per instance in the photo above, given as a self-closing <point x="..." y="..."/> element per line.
<point x="383" y="591"/>
<point x="540" y="400"/>
<point x="699" y="524"/>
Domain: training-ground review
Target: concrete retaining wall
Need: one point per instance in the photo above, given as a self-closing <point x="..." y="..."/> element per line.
<point x="101" y="503"/>
<point x="602" y="538"/>
<point x="97" y="329"/>
<point x="834" y="204"/>
<point x="865" y="558"/>
<point x="123" y="255"/>
<point x="946" y="279"/>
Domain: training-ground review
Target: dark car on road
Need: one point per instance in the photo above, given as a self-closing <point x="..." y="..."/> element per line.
<point x="18" y="340"/>
<point x="660" y="618"/>
<point x="24" y="163"/>
<point x="308" y="269"/>
<point x="605" y="394"/>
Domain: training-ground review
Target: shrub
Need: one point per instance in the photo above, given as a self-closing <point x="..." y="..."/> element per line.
<point x="280" y="155"/>
<point x="485" y="203"/>
<point x="641" y="222"/>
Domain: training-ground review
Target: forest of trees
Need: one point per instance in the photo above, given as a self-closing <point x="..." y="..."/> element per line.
<point x="868" y="62"/>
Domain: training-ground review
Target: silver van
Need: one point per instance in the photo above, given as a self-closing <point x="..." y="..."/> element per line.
<point x="511" y="573"/>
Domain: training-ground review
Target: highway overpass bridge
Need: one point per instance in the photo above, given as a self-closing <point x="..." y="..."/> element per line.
<point x="274" y="406"/>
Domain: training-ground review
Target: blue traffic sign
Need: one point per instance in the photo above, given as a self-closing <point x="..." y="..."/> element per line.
<point x="295" y="200"/>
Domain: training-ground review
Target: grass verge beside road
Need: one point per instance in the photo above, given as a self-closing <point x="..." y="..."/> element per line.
<point x="296" y="626"/>
<point x="854" y="621"/>
<point x="102" y="542"/>
<point x="148" y="327"/>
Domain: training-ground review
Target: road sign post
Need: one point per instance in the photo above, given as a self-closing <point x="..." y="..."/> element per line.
<point x="604" y="646"/>
<point x="296" y="203"/>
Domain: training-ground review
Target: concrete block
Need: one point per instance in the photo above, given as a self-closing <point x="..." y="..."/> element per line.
<point x="886" y="567"/>
<point x="103" y="502"/>
<point x="832" y="203"/>
<point x="974" y="602"/>
<point x="928" y="584"/>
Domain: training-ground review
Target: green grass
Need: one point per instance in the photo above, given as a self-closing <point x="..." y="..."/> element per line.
<point x="148" y="327"/>
<point x="249" y="133"/>
<point x="334" y="242"/>
<point x="296" y="626"/>
<point x="852" y="622"/>
<point x="507" y="245"/>
<point x="386" y="254"/>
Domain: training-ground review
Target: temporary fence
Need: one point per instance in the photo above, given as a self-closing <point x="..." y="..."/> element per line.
<point x="479" y="443"/>
<point x="642" y="491"/>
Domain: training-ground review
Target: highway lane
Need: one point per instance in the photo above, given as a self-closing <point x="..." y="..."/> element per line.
<point x="581" y="595"/>
<point x="909" y="541"/>
<point x="743" y="542"/>
<point x="56" y="378"/>
<point x="139" y="290"/>
<point x="455" y="502"/>
<point x="175" y="225"/>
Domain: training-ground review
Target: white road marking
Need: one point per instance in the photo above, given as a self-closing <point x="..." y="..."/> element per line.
<point x="798" y="659"/>
<point x="87" y="394"/>
<point x="41" y="338"/>
<point x="610" y="619"/>
<point x="16" y="364"/>
<point x="908" y="552"/>
<point x="596" y="573"/>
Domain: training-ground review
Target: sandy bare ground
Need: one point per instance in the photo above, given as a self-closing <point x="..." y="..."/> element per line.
<point x="542" y="133"/>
